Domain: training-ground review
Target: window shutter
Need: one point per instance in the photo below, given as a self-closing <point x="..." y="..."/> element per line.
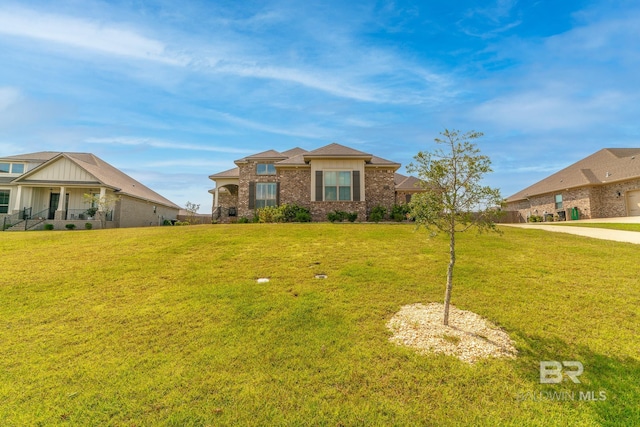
<point x="356" y="186"/>
<point x="277" y="194"/>
<point x="252" y="195"/>
<point x="319" y="190"/>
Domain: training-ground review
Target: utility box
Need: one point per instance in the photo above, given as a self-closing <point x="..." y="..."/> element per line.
<point x="575" y="214"/>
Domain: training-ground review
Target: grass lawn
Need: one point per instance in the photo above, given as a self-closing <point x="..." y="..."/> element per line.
<point x="612" y="226"/>
<point x="167" y="326"/>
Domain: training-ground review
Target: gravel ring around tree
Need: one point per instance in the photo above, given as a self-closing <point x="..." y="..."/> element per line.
<point x="469" y="336"/>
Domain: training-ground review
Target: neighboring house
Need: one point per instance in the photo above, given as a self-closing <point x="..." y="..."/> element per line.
<point x="49" y="187"/>
<point x="330" y="178"/>
<point x="604" y="185"/>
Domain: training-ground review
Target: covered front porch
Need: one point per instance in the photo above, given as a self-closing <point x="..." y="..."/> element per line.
<point x="57" y="203"/>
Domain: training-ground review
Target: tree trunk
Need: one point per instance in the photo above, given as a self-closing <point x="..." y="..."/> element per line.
<point x="452" y="261"/>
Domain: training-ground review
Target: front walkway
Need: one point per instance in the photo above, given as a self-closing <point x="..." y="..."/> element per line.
<point x="596" y="233"/>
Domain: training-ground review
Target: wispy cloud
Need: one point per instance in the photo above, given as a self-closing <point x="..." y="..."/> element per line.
<point x="156" y="143"/>
<point x="8" y="97"/>
<point x="82" y="33"/>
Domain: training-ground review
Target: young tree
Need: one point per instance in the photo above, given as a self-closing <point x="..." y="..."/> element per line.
<point x="454" y="200"/>
<point x="104" y="205"/>
<point x="192" y="211"/>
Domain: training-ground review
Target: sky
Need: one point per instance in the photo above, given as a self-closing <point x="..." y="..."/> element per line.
<point x="171" y="92"/>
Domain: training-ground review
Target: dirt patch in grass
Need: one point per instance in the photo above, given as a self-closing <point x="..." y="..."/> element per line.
<point x="469" y="336"/>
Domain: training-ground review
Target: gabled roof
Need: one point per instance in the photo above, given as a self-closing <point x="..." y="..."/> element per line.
<point x="40" y="156"/>
<point x="231" y="173"/>
<point x="379" y="161"/>
<point x="265" y="155"/>
<point x="406" y="183"/>
<point x="605" y="166"/>
<point x="103" y="172"/>
<point x="293" y="161"/>
<point x="294" y="152"/>
<point x="336" y="151"/>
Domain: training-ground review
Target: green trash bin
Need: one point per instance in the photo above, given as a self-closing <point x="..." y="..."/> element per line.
<point x="575" y="214"/>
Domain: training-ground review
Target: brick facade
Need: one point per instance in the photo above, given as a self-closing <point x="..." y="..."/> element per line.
<point x="295" y="186"/>
<point x="379" y="188"/>
<point x="604" y="201"/>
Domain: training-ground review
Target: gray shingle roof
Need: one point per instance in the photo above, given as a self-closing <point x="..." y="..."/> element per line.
<point x="104" y="173"/>
<point x="605" y="166"/>
<point x="231" y="173"/>
<point x="335" y="150"/>
<point x="406" y="183"/>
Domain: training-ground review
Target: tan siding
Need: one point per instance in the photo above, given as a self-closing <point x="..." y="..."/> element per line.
<point x="62" y="170"/>
<point x="337" y="165"/>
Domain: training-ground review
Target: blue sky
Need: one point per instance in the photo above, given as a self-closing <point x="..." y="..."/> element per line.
<point x="171" y="92"/>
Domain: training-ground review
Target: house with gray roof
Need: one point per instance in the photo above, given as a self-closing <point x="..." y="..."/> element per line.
<point x="605" y="184"/>
<point x="50" y="187"/>
<point x="330" y="178"/>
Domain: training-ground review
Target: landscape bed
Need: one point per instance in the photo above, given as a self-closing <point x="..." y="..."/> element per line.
<point x="169" y="326"/>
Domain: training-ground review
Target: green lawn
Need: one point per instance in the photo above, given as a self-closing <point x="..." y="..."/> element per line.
<point x="613" y="226"/>
<point x="167" y="326"/>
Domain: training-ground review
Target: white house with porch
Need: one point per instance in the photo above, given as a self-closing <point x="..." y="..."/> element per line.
<point x="50" y="188"/>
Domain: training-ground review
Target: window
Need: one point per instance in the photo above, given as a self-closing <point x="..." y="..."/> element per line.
<point x="266" y="194"/>
<point x="558" y="201"/>
<point x="4" y="201"/>
<point x="337" y="186"/>
<point x="265" y="169"/>
<point x="11" y="167"/>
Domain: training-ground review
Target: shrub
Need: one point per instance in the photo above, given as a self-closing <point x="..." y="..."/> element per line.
<point x="182" y="223"/>
<point x="243" y="220"/>
<point x="48" y="226"/>
<point x="295" y="213"/>
<point x="340" y="216"/>
<point x="377" y="213"/>
<point x="270" y="214"/>
<point x="303" y="216"/>
<point x="400" y="212"/>
<point x="88" y="225"/>
<point x="167" y="222"/>
<point x="70" y="226"/>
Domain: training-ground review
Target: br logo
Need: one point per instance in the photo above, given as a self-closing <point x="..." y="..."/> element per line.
<point x="551" y="371"/>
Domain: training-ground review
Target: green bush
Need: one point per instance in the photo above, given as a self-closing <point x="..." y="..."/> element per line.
<point x="70" y="226"/>
<point x="283" y="213"/>
<point x="400" y="212"/>
<point x="303" y="216"/>
<point x="339" y="216"/>
<point x="377" y="213"/>
<point x="88" y="225"/>
<point x="167" y="222"/>
<point x="182" y="223"/>
<point x="243" y="220"/>
<point x="48" y="226"/>
<point x="270" y="214"/>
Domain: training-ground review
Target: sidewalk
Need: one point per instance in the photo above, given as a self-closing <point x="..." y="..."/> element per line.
<point x="596" y="233"/>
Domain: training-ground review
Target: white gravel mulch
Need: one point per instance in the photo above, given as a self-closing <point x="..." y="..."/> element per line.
<point x="469" y="336"/>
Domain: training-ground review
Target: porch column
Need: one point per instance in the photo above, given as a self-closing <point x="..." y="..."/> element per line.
<point x="215" y="197"/>
<point x="60" y="214"/>
<point x="18" y="203"/>
<point x="103" y="193"/>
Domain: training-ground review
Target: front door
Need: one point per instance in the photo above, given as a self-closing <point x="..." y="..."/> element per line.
<point x="54" y="200"/>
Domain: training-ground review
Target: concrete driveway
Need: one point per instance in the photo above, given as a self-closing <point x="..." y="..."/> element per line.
<point x="596" y="233"/>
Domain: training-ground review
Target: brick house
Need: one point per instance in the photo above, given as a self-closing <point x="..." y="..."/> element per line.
<point x="49" y="187"/>
<point x="605" y="184"/>
<point x="333" y="177"/>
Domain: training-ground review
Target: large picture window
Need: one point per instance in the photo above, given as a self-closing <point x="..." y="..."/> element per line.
<point x="265" y="169"/>
<point x="4" y="201"/>
<point x="337" y="185"/>
<point x="266" y="194"/>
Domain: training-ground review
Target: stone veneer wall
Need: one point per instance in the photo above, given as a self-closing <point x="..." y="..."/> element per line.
<point x="546" y="203"/>
<point x="607" y="203"/>
<point x="295" y="186"/>
<point x="226" y="200"/>
<point x="592" y="202"/>
<point x="379" y="188"/>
